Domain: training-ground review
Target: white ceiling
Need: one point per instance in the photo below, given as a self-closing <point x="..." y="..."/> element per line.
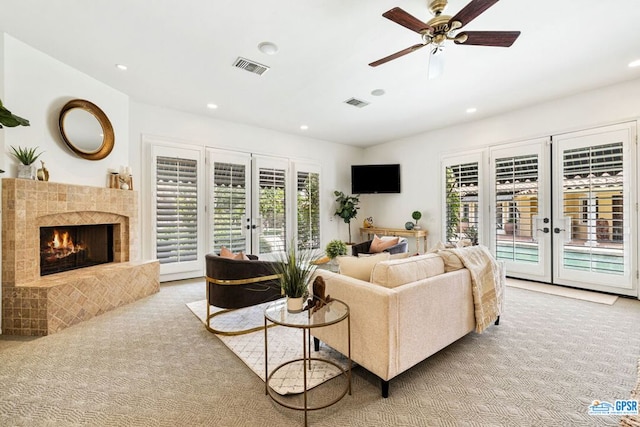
<point x="180" y="55"/>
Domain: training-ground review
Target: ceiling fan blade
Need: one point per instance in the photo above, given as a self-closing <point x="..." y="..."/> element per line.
<point x="488" y="38"/>
<point x="403" y="18"/>
<point x="471" y="11"/>
<point x="397" y="54"/>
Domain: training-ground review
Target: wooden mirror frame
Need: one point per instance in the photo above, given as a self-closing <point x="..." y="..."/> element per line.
<point x="107" y="129"/>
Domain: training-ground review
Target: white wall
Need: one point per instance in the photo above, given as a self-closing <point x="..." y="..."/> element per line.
<point x="201" y="131"/>
<point x="35" y="87"/>
<point x="420" y="155"/>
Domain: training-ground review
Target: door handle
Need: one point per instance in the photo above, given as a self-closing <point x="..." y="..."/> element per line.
<point x="558" y="230"/>
<point x="544" y="230"/>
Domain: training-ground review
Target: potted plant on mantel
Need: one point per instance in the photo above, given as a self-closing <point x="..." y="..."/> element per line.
<point x="295" y="269"/>
<point x="27" y="157"/>
<point x="347" y="209"/>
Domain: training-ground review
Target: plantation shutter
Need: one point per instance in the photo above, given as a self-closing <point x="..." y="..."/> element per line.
<point x="593" y="187"/>
<point x="308" y="204"/>
<point x="176" y="210"/>
<point x="272" y="208"/>
<point x="461" y="202"/>
<point x="229" y="206"/>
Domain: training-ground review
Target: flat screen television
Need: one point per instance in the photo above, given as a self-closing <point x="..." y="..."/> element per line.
<point x="371" y="179"/>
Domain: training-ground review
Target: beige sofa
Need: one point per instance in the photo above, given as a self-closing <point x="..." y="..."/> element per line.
<point x="410" y="309"/>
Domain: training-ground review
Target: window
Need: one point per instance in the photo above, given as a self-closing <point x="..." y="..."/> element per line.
<point x="272" y="208"/>
<point x="176" y="210"/>
<point x="308" y="203"/>
<point x="229" y="201"/>
<point x="462" y="199"/>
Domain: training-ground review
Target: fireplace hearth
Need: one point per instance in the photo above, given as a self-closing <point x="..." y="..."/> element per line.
<point x="70" y="247"/>
<point x="50" y="227"/>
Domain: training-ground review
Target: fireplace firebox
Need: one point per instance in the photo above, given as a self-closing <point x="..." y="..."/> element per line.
<point x="70" y="247"/>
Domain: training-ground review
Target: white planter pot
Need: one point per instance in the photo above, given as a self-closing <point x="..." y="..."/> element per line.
<point x="26" y="172"/>
<point x="294" y="305"/>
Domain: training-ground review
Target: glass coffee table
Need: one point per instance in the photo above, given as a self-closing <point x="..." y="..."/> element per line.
<point x="331" y="313"/>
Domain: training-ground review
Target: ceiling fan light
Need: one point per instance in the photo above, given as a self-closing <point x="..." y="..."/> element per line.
<point x="436" y="63"/>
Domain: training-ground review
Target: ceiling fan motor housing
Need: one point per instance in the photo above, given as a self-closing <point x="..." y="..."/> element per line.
<point x="436" y="6"/>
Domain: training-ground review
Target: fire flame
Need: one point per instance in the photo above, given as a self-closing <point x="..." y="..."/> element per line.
<point x="61" y="246"/>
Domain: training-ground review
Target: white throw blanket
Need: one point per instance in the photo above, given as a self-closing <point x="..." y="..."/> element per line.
<point x="487" y="283"/>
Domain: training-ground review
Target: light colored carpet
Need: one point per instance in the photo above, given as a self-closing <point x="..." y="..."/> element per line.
<point x="285" y="344"/>
<point x="563" y="291"/>
<point x="150" y="363"/>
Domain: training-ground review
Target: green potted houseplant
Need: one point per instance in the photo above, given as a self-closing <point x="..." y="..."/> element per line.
<point x="335" y="248"/>
<point x="26" y="157"/>
<point x="295" y="269"/>
<point x="347" y="209"/>
<point x="416" y="215"/>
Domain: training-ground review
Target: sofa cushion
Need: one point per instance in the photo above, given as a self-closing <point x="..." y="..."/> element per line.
<point x="451" y="261"/>
<point x="380" y="244"/>
<point x="360" y="267"/>
<point x="393" y="273"/>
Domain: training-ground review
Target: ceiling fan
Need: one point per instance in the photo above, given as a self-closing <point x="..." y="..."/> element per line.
<point x="441" y="28"/>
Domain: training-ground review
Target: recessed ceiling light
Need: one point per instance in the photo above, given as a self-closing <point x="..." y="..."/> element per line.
<point x="268" y="48"/>
<point x="471" y="110"/>
<point x="212" y="106"/>
<point x="304" y="127"/>
<point x="121" y="67"/>
<point x="377" y="92"/>
<point x="635" y="63"/>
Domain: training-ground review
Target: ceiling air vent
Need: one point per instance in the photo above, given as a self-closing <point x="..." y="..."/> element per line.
<point x="251" y="66"/>
<point x="356" y="102"/>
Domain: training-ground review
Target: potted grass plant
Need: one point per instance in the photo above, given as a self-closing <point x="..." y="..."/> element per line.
<point x="295" y="269"/>
<point x="26" y="157"/>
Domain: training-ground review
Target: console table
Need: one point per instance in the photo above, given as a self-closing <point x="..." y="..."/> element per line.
<point x="400" y="232"/>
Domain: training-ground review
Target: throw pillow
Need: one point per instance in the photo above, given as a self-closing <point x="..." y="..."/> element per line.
<point x="360" y="268"/>
<point x="226" y="253"/>
<point x="379" y="245"/>
<point x="451" y="261"/>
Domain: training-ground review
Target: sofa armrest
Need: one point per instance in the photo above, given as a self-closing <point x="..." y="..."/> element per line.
<point x="374" y="323"/>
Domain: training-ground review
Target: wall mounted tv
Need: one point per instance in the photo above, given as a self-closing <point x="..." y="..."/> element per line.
<point x="371" y="179"/>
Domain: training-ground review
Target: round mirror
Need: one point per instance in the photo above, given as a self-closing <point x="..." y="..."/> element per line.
<point x="86" y="129"/>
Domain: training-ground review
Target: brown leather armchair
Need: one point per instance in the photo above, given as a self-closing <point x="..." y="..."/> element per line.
<point x="233" y="284"/>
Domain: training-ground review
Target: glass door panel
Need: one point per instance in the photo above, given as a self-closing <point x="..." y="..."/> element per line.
<point x="595" y="227"/>
<point x="520" y="221"/>
<point x="229" y="201"/>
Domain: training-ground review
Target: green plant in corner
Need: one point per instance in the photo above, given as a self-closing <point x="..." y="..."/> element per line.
<point x="9" y="119"/>
<point x="335" y="248"/>
<point x="26" y="156"/>
<point x="347" y="208"/>
<point x="295" y="268"/>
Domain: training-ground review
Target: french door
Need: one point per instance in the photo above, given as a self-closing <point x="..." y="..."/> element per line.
<point x="248" y="202"/>
<point x="563" y="209"/>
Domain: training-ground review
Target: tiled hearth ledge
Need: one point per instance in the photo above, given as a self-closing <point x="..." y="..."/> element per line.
<point x="34" y="305"/>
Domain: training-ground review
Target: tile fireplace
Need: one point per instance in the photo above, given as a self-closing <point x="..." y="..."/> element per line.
<point x="69" y="253"/>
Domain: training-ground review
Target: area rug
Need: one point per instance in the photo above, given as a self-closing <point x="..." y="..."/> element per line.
<point x="285" y="344"/>
<point x="563" y="291"/>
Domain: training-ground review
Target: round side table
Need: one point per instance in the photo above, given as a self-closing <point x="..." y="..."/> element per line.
<point x="331" y="313"/>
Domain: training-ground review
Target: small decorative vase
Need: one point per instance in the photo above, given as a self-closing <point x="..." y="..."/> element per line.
<point x="294" y="304"/>
<point x="26" y="172"/>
